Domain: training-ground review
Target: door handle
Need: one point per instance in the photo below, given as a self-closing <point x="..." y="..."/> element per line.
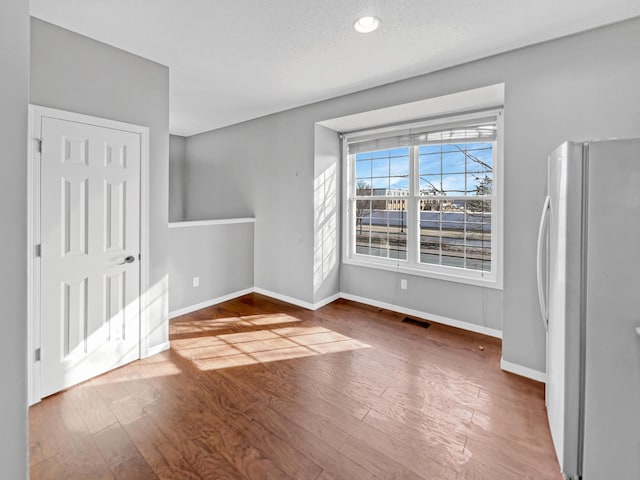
<point x="129" y="259"/>
<point x="542" y="230"/>
<point x="638" y="331"/>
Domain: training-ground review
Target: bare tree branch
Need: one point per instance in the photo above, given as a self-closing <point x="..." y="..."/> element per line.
<point x="473" y="158"/>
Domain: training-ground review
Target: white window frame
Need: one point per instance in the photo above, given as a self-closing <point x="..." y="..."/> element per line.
<point x="411" y="265"/>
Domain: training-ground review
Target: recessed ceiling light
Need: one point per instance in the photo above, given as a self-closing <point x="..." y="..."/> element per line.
<point x="366" y="24"/>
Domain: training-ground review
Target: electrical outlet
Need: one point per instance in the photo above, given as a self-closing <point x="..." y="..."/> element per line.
<point x="403" y="283"/>
<point x="196" y="281"/>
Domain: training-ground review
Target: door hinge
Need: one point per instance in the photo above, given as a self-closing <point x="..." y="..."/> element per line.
<point x="39" y="145"/>
<point x="38" y="251"/>
<point x="37" y="355"/>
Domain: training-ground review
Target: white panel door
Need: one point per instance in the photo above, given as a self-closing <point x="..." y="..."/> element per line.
<point x="90" y="236"/>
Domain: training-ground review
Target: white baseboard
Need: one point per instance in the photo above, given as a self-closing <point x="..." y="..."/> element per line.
<point x="295" y="301"/>
<point x="425" y="315"/>
<point x="261" y="291"/>
<point x="158" y="349"/>
<point x="284" y="298"/>
<point x="523" y="371"/>
<point x="347" y="296"/>
<point x="326" y="301"/>
<point x="208" y="303"/>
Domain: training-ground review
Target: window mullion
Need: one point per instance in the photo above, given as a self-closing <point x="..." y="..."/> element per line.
<point x="413" y="220"/>
<point x="351" y="168"/>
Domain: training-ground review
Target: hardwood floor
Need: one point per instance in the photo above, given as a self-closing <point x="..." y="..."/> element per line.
<point x="256" y="388"/>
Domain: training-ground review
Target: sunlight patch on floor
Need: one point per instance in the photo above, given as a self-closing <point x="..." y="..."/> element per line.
<point x="216" y="324"/>
<point x="140" y="369"/>
<point x="228" y="350"/>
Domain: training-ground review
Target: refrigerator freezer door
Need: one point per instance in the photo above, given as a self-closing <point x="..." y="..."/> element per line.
<point x="557" y="178"/>
<point x="612" y="382"/>
<point x="563" y="344"/>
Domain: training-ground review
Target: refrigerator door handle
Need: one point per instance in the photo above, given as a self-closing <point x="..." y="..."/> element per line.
<point x="542" y="230"/>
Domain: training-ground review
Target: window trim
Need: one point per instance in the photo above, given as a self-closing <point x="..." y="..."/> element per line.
<point x="411" y="266"/>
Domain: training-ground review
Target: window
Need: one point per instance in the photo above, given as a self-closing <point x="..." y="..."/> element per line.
<point x="425" y="198"/>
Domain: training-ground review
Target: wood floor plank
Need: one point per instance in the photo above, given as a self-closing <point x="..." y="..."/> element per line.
<point x="247" y="459"/>
<point x="46" y="434"/>
<point x="293" y="408"/>
<point x="372" y="440"/>
<point x="78" y="456"/>
<point x="230" y="419"/>
<point x="476" y="469"/>
<point x="529" y="430"/>
<point x="205" y="460"/>
<point x="162" y="456"/>
<point x="495" y="450"/>
<point x="435" y="442"/>
<point x="330" y="459"/>
<point x="229" y="412"/>
<point x="255" y="388"/>
<point x="90" y="407"/>
<point x="368" y="435"/>
<point x="384" y="466"/>
<point x="71" y="466"/>
<point x="304" y="388"/>
<point x="121" y="455"/>
<point x="326" y="476"/>
<point x="212" y="423"/>
<point x="415" y="341"/>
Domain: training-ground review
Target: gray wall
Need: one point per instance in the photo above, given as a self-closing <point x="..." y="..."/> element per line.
<point x="326" y="213"/>
<point x="582" y="87"/>
<point x="177" y="153"/>
<point x="579" y="87"/>
<point x="14" y="97"/>
<point x="466" y="303"/>
<point x="219" y="173"/>
<point x="72" y="72"/>
<point x="262" y="169"/>
<point x="221" y="255"/>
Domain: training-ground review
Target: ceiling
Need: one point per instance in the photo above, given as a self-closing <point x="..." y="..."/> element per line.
<point x="233" y="60"/>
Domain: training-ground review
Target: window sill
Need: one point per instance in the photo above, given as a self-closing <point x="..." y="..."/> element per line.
<point x="205" y="223"/>
<point x="449" y="277"/>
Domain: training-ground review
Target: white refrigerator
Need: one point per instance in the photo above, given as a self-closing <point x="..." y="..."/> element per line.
<point x="589" y="289"/>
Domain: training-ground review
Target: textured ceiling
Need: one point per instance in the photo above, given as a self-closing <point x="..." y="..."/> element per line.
<point x="233" y="60"/>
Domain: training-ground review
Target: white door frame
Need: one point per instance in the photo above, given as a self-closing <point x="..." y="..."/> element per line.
<point x="36" y="113"/>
